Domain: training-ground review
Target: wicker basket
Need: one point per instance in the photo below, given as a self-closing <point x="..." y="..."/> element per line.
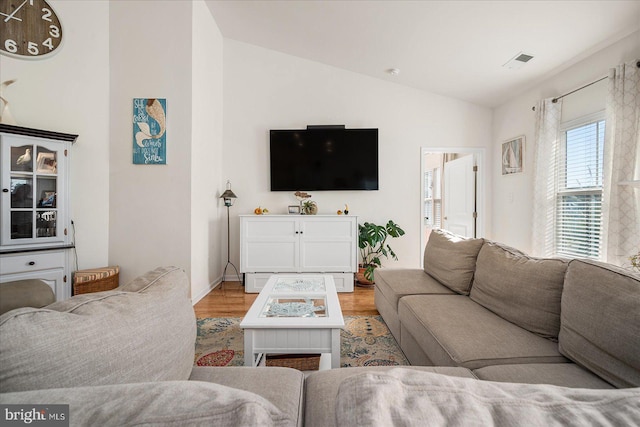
<point x="95" y="280"/>
<point x="301" y="362"/>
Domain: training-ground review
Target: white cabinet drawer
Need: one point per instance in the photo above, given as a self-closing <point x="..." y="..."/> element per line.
<point x="32" y="261"/>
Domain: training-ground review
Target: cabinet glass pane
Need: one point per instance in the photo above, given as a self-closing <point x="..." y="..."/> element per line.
<point x="46" y="223"/>
<point x="21" y="192"/>
<point x="46" y="192"/>
<point x="46" y="162"/>
<point x="21" y="225"/>
<point x="22" y="159"/>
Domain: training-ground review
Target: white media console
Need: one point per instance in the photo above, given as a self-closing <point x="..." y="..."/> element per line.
<point x="271" y="244"/>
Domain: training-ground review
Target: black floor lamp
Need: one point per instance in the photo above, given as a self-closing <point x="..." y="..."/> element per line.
<point x="228" y="197"/>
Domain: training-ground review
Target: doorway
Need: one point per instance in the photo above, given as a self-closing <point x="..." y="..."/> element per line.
<point x="452" y="192"/>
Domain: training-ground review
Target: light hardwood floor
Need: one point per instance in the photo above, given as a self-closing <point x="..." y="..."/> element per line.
<point x="232" y="301"/>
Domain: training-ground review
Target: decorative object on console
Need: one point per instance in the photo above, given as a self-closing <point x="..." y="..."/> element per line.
<point x="513" y="156"/>
<point x="309" y="207"/>
<point x="261" y="211"/>
<point x="346" y="209"/>
<point x="5" y="115"/>
<point x="371" y="241"/>
<point x="294" y="209"/>
<point x="31" y="29"/>
<point x="149" y="131"/>
<point x="228" y="196"/>
<point x="301" y="196"/>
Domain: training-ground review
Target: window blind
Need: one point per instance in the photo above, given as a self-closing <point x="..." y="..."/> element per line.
<point x="579" y="193"/>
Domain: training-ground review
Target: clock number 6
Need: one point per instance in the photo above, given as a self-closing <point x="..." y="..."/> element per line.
<point x="10" y="46"/>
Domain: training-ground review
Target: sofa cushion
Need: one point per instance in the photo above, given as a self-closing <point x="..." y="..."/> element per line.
<point x="283" y="387"/>
<point x="522" y="289"/>
<point x="321" y="389"/>
<point x="25" y="293"/>
<point x="451" y="259"/>
<point x="455" y="331"/>
<point x="560" y="374"/>
<point x="403" y="397"/>
<point x="144" y="334"/>
<point x="167" y="403"/>
<point x="600" y="322"/>
<point x="396" y="283"/>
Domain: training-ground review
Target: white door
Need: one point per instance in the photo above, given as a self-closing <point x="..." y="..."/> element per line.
<point x="460" y="196"/>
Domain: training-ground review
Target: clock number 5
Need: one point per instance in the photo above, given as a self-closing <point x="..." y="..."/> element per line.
<point x="32" y="48"/>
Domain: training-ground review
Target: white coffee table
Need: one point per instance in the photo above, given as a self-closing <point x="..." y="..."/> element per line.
<point x="294" y="314"/>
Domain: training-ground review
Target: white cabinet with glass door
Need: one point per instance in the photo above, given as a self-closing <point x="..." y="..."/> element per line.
<point x="34" y="205"/>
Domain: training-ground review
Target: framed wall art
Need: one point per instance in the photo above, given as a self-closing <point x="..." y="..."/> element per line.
<point x="149" y="131"/>
<point x="513" y="156"/>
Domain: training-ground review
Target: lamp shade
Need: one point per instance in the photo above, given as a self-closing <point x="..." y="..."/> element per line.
<point x="228" y="195"/>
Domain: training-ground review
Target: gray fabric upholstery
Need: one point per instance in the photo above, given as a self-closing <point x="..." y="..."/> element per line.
<point x="102" y="338"/>
<point x="522" y="289"/>
<point x="412" y="349"/>
<point x="281" y="386"/>
<point x="396" y="283"/>
<point x="388" y="312"/>
<point x="455" y="331"/>
<point x="600" y="322"/>
<point x="321" y="390"/>
<point x="168" y="403"/>
<point x="560" y="374"/>
<point x="451" y="259"/>
<point x="25" y="293"/>
<point x="408" y="398"/>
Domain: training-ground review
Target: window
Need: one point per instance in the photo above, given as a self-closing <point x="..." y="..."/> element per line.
<point x="579" y="192"/>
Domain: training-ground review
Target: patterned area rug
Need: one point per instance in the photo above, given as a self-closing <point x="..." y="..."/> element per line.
<point x="365" y="341"/>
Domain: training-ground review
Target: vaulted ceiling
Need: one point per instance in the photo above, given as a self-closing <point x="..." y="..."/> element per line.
<point x="452" y="48"/>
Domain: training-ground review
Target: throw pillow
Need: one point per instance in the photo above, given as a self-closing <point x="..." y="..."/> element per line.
<point x="451" y="259"/>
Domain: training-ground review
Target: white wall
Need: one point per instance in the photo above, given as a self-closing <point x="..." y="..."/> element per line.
<point x="69" y="92"/>
<point x="150" y="205"/>
<point x="206" y="162"/>
<point x="513" y="194"/>
<point x="265" y="90"/>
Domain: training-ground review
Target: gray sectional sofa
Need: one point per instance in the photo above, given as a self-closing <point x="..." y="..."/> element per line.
<point x="125" y="357"/>
<point x="509" y="317"/>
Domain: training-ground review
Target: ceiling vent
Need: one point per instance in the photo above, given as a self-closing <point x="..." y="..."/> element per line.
<point x="518" y="61"/>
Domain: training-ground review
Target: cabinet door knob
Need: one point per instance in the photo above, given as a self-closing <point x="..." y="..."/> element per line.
<point x="5" y="190"/>
<point x="31" y="263"/>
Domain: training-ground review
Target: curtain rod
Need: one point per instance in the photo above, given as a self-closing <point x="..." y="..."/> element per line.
<point x="554" y="100"/>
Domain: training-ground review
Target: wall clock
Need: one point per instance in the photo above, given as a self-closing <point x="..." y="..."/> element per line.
<point x="29" y="29"/>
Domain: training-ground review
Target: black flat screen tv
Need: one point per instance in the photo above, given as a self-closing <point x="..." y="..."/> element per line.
<point x="323" y="159"/>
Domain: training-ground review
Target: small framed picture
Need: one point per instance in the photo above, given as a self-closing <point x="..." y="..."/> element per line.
<point x="294" y="209"/>
<point x="513" y="156"/>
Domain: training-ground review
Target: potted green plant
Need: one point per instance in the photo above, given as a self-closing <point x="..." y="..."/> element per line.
<point x="372" y="241"/>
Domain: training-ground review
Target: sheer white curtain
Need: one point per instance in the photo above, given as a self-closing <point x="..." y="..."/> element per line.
<point x="545" y="152"/>
<point x="621" y="197"/>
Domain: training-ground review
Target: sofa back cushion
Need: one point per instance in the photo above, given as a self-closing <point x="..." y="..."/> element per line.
<point x="600" y="324"/>
<point x="521" y="289"/>
<point x="142" y="332"/>
<point x="451" y="259"/>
